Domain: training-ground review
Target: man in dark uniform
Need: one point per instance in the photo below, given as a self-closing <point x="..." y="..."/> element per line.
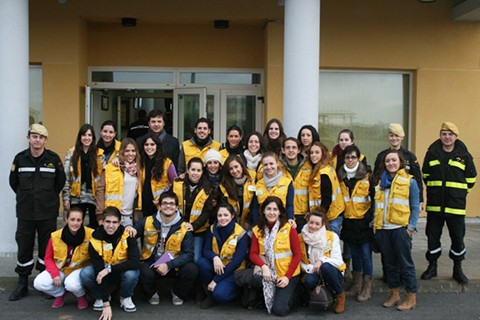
<point x="140" y="127"/>
<point x="449" y="173"/>
<point x="396" y="136"/>
<point x="171" y="147"/>
<point x="37" y="177"/>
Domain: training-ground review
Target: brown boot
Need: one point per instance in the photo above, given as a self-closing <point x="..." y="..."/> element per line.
<point x="348" y="272"/>
<point x="409" y="303"/>
<point x="356" y="285"/>
<point x="340" y="307"/>
<point x="393" y="298"/>
<point x="366" y="293"/>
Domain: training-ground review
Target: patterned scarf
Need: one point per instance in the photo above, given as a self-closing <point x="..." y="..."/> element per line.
<point x="268" y="243"/>
<point x="130" y="168"/>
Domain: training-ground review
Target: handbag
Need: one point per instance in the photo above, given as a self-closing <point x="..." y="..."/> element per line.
<point x="322" y="296"/>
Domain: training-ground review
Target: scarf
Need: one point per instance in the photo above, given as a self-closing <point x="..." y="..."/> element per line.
<point x="222" y="233"/>
<point x="86" y="171"/>
<point x="317" y="242"/>
<point x="73" y="240"/>
<point x="252" y="161"/>
<point x="106" y="150"/>
<point x="200" y="142"/>
<point x="337" y="151"/>
<point x="386" y="180"/>
<point x="215" y="178"/>
<point x="236" y="150"/>
<point x="268" y="243"/>
<point x="272" y="182"/>
<point x="130" y="168"/>
<point x="114" y="238"/>
<point x="241" y="181"/>
<point x="351" y="172"/>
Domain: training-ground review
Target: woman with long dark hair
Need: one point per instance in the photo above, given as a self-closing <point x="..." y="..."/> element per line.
<point x="158" y="173"/>
<point x="307" y="135"/>
<point x="274" y="135"/>
<point x="107" y="142"/>
<point x="252" y="154"/>
<point x="83" y="167"/>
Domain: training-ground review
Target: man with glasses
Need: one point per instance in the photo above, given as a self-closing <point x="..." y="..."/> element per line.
<point x="115" y="260"/>
<point x="167" y="251"/>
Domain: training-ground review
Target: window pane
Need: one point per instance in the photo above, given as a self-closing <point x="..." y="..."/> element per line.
<point x="220" y="78"/>
<point x="241" y="112"/>
<point x="35" y="95"/>
<point x="132" y="77"/>
<point x="365" y="103"/>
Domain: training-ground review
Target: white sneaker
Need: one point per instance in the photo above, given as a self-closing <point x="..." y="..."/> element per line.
<point x="98" y="305"/>
<point x="176" y="300"/>
<point x="127" y="304"/>
<point x="154" y="300"/>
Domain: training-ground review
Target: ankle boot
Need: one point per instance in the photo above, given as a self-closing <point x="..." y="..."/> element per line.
<point x="208" y="302"/>
<point x="356" y="285"/>
<point x="458" y="273"/>
<point x="21" y="290"/>
<point x="366" y="293"/>
<point x="409" y="303"/>
<point x="348" y="272"/>
<point x="431" y="271"/>
<point x="340" y="307"/>
<point x="200" y="292"/>
<point x="393" y="298"/>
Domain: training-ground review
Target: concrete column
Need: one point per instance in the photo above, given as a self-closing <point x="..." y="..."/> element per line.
<point x="13" y="108"/>
<point x="301" y="64"/>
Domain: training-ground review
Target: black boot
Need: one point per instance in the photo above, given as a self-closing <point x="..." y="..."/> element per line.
<point x="458" y="273"/>
<point x="431" y="271"/>
<point x="200" y="293"/>
<point x="208" y="302"/>
<point x="22" y="289"/>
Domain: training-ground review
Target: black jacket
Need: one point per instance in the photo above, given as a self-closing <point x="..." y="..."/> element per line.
<point x="37" y="184"/>
<point x="411" y="166"/>
<point x="449" y="177"/>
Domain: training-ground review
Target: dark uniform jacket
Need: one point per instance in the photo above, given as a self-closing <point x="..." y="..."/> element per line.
<point x="411" y="165"/>
<point x="37" y="184"/>
<point x="449" y="177"/>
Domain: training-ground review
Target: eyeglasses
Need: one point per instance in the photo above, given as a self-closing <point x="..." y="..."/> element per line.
<point x="164" y="203"/>
<point x="351" y="157"/>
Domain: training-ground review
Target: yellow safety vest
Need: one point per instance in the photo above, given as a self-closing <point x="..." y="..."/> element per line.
<point x="315" y="195"/>
<point x="114" y="188"/>
<point x="281" y="248"/>
<point x="191" y="150"/>
<point x="248" y="193"/>
<point x="398" y="209"/>
<point x="80" y="256"/>
<point x="360" y="202"/>
<point x="280" y="190"/>
<point x="229" y="246"/>
<point x="197" y="207"/>
<point x="300" y="185"/>
<point x="107" y="252"/>
<point x="159" y="187"/>
<point x="76" y="181"/>
<point x="150" y="238"/>
<point x="327" y="251"/>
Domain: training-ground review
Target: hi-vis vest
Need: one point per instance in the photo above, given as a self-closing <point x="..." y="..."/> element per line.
<point x="248" y="193"/>
<point x="229" y="246"/>
<point x="114" y="188"/>
<point x="76" y="181"/>
<point x="280" y="190"/>
<point x="150" y="239"/>
<point x="191" y="150"/>
<point x="281" y="248"/>
<point x="315" y="195"/>
<point x="357" y="205"/>
<point x="114" y="153"/>
<point x="300" y="185"/>
<point x="197" y="207"/>
<point x="159" y="187"/>
<point x="326" y="251"/>
<point x="398" y="210"/>
<point x="110" y="255"/>
<point x="80" y="257"/>
<point x="335" y="160"/>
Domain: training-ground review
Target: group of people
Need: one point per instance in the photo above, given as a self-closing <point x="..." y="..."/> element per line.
<point x="262" y="220"/>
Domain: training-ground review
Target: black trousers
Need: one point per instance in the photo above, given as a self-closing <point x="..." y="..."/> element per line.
<point x="25" y="237"/>
<point x="89" y="210"/>
<point x="186" y="276"/>
<point x="456" y="229"/>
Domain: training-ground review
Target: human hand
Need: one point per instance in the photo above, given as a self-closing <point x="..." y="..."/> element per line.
<point x="267" y="276"/>
<point x="316" y="267"/>
<point x="66" y="204"/>
<point x="188" y="226"/>
<point x="101" y="275"/>
<point x="218" y="266"/>
<point x="131" y="231"/>
<point x="106" y="313"/>
<point x="211" y="286"/>
<point x="292" y="223"/>
<point x="162" y="269"/>
<point x="410" y="233"/>
<point x="283" y="282"/>
<point x="116" y="162"/>
<point x="57" y="281"/>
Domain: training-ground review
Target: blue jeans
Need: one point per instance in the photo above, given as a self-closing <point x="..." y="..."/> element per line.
<point x="335" y="225"/>
<point x="330" y="273"/>
<point x="127" y="279"/>
<point x="396" y="248"/>
<point x="226" y="290"/>
<point x="362" y="257"/>
<point x="197" y="246"/>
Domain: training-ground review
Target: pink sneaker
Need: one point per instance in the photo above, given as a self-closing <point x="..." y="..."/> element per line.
<point x="82" y="302"/>
<point x="59" y="301"/>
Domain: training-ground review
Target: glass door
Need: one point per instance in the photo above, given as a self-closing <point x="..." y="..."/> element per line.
<point x="241" y="108"/>
<point x="188" y="106"/>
